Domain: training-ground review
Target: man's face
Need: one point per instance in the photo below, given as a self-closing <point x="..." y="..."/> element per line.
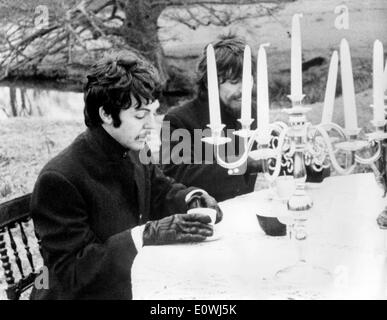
<point x="136" y="125"/>
<point x="230" y="93"/>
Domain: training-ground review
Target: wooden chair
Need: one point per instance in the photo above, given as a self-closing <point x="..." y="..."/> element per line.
<point x="13" y="216"/>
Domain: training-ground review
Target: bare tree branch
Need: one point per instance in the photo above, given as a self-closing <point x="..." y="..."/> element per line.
<point x="212" y="2"/>
<point x="130" y="24"/>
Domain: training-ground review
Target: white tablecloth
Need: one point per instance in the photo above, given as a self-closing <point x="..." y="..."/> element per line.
<point x="241" y="264"/>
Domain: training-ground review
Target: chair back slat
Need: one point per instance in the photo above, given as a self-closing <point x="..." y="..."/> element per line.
<point x="9" y="278"/>
<point x="15" y="252"/>
<point x="21" y="277"/>
<point x="26" y="246"/>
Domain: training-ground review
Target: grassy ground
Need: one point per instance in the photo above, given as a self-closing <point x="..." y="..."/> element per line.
<point x="26" y="145"/>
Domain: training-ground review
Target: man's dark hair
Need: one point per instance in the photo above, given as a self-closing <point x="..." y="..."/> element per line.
<point x="113" y="81"/>
<point x="229" y="62"/>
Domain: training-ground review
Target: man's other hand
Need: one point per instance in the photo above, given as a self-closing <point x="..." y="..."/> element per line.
<point x="209" y="202"/>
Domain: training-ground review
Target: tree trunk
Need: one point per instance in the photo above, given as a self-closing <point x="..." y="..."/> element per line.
<point x="13" y="102"/>
<point x="140" y="31"/>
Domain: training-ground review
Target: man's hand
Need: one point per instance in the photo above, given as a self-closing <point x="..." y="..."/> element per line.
<point x="381" y="179"/>
<point x="207" y="201"/>
<point x="177" y="228"/>
<point x="382" y="219"/>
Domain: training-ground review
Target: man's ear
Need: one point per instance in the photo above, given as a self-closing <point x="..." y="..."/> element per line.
<point x="106" y="118"/>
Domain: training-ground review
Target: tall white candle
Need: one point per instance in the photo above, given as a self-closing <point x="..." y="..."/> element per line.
<point x="213" y="91"/>
<point x="350" y="113"/>
<point x="296" y="59"/>
<point x="330" y="91"/>
<point x="262" y="98"/>
<point x="378" y="82"/>
<point x="246" y="87"/>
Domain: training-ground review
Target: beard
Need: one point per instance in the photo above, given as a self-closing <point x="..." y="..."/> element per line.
<point x="234" y="112"/>
<point x="233" y="105"/>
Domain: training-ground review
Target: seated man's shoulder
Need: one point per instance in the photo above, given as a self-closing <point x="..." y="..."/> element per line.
<point x="69" y="161"/>
<point x="180" y="110"/>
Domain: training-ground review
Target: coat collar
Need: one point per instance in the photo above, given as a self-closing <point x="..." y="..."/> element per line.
<point x="106" y="143"/>
<point x="122" y="160"/>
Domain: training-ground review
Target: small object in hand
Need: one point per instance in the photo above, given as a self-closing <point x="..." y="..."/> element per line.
<point x="205" y="201"/>
<point x="271" y="226"/>
<point x="196" y="205"/>
<point x="206" y="211"/>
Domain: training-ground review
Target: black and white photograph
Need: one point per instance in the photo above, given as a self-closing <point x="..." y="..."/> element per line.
<point x="193" y="150"/>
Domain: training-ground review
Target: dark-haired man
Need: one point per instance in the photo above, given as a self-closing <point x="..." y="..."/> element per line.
<point x="199" y="169"/>
<point x="95" y="204"/>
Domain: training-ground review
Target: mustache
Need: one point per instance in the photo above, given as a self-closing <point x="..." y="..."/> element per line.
<point x="236" y="96"/>
<point x="144" y="135"/>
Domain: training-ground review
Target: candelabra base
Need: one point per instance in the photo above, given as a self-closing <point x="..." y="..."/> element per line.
<point x="304" y="274"/>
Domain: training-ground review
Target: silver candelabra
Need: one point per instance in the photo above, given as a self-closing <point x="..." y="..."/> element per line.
<point x="299" y="143"/>
<point x="292" y="147"/>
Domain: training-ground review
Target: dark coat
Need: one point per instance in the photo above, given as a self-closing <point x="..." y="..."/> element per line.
<point x="84" y="204"/>
<point x="209" y="176"/>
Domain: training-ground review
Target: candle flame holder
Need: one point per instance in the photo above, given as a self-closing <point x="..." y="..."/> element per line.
<point x="216" y="137"/>
<point x="245" y="131"/>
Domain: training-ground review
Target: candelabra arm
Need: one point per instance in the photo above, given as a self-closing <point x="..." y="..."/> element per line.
<point x="331" y="125"/>
<point x="279" y="126"/>
<point x="281" y="141"/>
<point x="372" y="159"/>
<point x="235" y="164"/>
<point x="249" y="141"/>
<point x="358" y="158"/>
<point x="331" y="153"/>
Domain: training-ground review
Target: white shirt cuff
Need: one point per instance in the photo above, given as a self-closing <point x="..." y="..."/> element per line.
<point x="191" y="193"/>
<point x="137" y="233"/>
